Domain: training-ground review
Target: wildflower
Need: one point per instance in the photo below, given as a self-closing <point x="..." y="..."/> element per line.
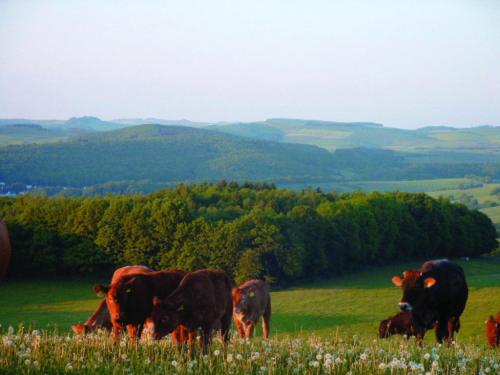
<point x="10" y="331"/>
<point x="175" y="363"/>
<point x="363" y="357"/>
<point x="69" y="366"/>
<point x="27" y="362"/>
<point x="216" y="352"/>
<point x="123" y="343"/>
<point x="319" y="357"/>
<point x="124" y="357"/>
<point x="239" y="357"/>
<point x="35" y="332"/>
<point x="382" y="366"/>
<point x="35" y="363"/>
<point x="427" y="356"/>
<point x="229" y="358"/>
<point x="147" y="361"/>
<point x="328" y="363"/>
<point x="314" y="364"/>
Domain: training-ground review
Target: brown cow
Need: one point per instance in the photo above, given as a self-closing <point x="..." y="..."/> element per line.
<point x="100" y="318"/>
<point x="493" y="330"/>
<point x="5" y="249"/>
<point x="400" y="324"/>
<point x="130" y="299"/>
<point x="251" y="301"/>
<point x="202" y="300"/>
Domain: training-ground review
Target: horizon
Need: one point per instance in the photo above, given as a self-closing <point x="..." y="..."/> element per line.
<point x="209" y="123"/>
<point x="403" y="65"/>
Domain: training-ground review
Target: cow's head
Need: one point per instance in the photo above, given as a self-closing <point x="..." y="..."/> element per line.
<point x="80" y="329"/>
<point x="414" y="286"/>
<point x="242" y="301"/>
<point x="164" y="317"/>
<point x="121" y="299"/>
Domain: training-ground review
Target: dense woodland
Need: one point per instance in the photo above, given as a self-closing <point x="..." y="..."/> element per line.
<point x="249" y="230"/>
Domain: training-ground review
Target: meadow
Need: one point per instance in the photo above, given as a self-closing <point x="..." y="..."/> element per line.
<point x="323" y="327"/>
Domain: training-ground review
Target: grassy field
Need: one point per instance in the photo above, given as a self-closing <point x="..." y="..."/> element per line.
<point x="327" y="327"/>
<point x="353" y="304"/>
<point x="319" y="328"/>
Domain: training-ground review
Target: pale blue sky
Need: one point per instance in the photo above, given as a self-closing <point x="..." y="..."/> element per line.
<point x="402" y="63"/>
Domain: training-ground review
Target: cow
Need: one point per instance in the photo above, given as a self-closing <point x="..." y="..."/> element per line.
<point x="251" y="301"/>
<point x="5" y="250"/>
<point x="130" y="298"/>
<point x="493" y="330"/>
<point x="400" y="324"/>
<point x="202" y="300"/>
<point x="436" y="295"/>
<point x="101" y="318"/>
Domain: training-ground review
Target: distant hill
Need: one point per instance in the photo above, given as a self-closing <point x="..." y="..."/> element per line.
<point x="161" y="153"/>
<point x="337" y="135"/>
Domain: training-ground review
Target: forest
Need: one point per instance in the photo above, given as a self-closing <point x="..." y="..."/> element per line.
<point x="247" y="229"/>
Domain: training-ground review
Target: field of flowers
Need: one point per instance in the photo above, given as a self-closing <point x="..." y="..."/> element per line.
<point x="29" y="352"/>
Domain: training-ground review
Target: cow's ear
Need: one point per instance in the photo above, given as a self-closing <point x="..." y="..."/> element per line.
<point x="429" y="282"/>
<point x="156" y="301"/>
<point x="101" y="290"/>
<point x="398" y="281"/>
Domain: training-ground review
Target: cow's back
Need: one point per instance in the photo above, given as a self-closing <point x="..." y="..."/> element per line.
<point x="129" y="270"/>
<point x="450" y="293"/>
<point x="5" y="249"/>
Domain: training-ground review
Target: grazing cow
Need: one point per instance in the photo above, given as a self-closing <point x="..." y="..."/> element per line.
<point x="436" y="293"/>
<point x="400" y="324"/>
<point x="101" y="318"/>
<point x="130" y="298"/>
<point x="202" y="300"/>
<point x="493" y="330"/>
<point x="251" y="301"/>
<point x="5" y="249"/>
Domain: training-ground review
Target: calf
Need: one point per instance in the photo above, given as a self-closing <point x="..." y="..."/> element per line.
<point x="400" y="324"/>
<point x="251" y="301"/>
<point x="202" y="300"/>
<point x="130" y="299"/>
<point x="100" y="318"/>
<point x="493" y="330"/>
<point x="436" y="293"/>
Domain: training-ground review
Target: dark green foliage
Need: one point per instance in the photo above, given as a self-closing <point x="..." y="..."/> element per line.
<point x="249" y="230"/>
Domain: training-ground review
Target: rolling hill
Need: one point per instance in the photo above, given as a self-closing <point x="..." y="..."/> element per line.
<point x="160" y="153"/>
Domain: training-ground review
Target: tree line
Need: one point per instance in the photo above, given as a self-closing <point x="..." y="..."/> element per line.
<point x="249" y="230"/>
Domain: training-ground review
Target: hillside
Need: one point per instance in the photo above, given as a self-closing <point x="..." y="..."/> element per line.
<point x="160" y="153"/>
<point x="334" y="135"/>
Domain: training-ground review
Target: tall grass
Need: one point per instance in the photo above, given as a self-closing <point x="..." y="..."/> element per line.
<point x="25" y="352"/>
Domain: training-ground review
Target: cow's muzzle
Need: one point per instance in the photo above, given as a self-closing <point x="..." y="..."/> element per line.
<point x="405" y="306"/>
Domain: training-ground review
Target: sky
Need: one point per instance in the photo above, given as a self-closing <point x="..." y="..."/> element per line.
<point x="401" y="63"/>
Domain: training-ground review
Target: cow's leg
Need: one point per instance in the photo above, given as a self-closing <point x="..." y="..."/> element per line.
<point x="240" y="328"/>
<point x="206" y="338"/>
<point x="191" y="338"/>
<point x="452" y="328"/>
<point x="249" y="330"/>
<point x="225" y="326"/>
<point x="134" y="331"/>
<point x="266" y="319"/>
<point x="117" y="330"/>
<point x="442" y="330"/>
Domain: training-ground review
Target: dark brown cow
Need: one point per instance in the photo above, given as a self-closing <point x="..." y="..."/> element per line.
<point x="436" y="293"/>
<point x="493" y="330"/>
<point x="251" y="301"/>
<point x="100" y="318"/>
<point x="130" y="299"/>
<point x="202" y="300"/>
<point x="5" y="249"/>
<point x="400" y="324"/>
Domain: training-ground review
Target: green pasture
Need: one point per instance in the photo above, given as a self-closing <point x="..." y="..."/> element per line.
<point x="348" y="305"/>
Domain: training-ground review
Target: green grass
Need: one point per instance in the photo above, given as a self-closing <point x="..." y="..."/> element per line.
<point x="349" y="305"/>
<point x="327" y="327"/>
